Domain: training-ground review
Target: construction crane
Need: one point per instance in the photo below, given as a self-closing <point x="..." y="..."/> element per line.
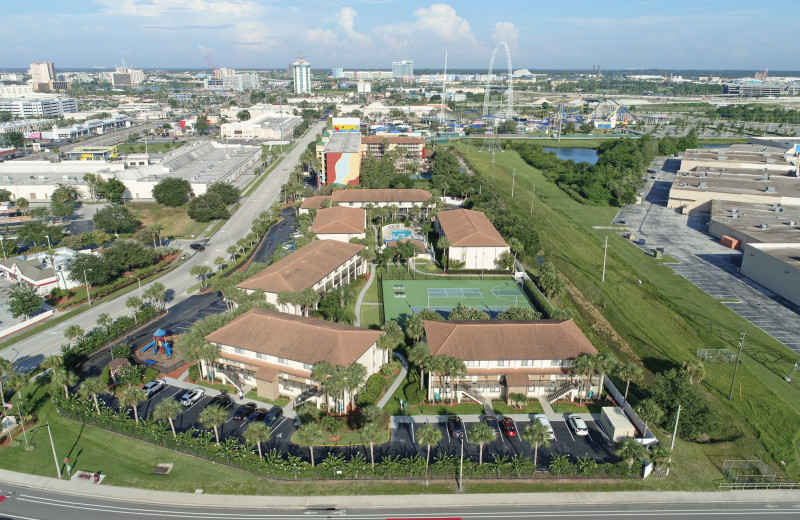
<point x="211" y="64"/>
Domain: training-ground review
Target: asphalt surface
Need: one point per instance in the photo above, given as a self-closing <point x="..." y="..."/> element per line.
<point x="276" y="237"/>
<point x="29" y="352"/>
<point x="704" y="261"/>
<point x="22" y="503"/>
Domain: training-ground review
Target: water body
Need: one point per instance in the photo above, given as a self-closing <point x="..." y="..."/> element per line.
<point x="584" y="155"/>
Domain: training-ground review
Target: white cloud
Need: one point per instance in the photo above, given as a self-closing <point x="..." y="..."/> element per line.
<point x="506" y="32"/>
<point x="346" y="17"/>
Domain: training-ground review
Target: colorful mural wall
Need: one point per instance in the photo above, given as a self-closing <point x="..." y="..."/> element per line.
<point x="342" y="168"/>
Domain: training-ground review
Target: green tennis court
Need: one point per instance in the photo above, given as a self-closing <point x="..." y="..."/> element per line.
<point x="401" y="298"/>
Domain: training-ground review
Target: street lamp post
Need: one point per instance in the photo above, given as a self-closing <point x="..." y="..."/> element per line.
<point x="140" y="283"/>
<point x="4" y="247"/>
<point x="55" y="457"/>
<point x="88" y="294"/>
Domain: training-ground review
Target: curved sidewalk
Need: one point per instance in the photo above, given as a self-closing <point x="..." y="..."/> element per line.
<point x="363" y="293"/>
<point x="397" y="382"/>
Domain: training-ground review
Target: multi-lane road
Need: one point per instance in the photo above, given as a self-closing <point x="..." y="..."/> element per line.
<point x="28" y="353"/>
<point x="87" y="501"/>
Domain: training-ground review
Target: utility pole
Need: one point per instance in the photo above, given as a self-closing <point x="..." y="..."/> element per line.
<point x="461" y="470"/>
<point x="533" y="194"/>
<point x="674" y="434"/>
<point x="513" y="178"/>
<point x="736" y="368"/>
<point x="605" y="252"/>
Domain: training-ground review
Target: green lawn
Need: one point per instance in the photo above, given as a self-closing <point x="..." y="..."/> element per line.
<point x="502" y="408"/>
<point x="370" y="316"/>
<point x="252" y="395"/>
<point x="349" y="438"/>
<point x="571" y="407"/>
<point x="442" y="409"/>
<point x="176" y="221"/>
<point x="661" y="321"/>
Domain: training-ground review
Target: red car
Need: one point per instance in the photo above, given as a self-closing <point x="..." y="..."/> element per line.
<point x="509" y="427"/>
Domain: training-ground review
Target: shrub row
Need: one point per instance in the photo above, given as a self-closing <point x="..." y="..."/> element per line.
<point x="372" y="394"/>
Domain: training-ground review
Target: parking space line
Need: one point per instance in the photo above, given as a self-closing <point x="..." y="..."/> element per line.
<point x="569" y="431"/>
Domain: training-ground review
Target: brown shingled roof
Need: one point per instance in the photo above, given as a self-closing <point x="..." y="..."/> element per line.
<point x="340" y="219"/>
<point x="501" y="339"/>
<point x="468" y="228"/>
<point x="297" y="338"/>
<point x="303" y="268"/>
<point x="370" y="195"/>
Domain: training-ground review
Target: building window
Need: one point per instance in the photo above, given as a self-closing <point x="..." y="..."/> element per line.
<point x="472" y="363"/>
<point x="308" y="367"/>
<point x="526" y="362"/>
<point x="496" y="389"/>
<point x="237" y="350"/>
<point x="260" y="355"/>
<point x="557" y="362"/>
<point x="502" y="363"/>
<point x="283" y="361"/>
<point x="531" y="389"/>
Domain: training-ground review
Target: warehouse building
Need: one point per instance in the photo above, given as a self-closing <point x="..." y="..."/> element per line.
<point x="775" y="267"/>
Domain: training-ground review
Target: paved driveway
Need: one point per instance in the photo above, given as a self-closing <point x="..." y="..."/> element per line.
<point x="705" y="262"/>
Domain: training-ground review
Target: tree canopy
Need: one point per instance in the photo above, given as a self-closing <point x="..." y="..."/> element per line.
<point x="172" y="191"/>
<point x="116" y="218"/>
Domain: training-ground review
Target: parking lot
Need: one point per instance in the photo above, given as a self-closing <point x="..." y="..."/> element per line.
<point x="402" y="443"/>
<point x="704" y="261"/>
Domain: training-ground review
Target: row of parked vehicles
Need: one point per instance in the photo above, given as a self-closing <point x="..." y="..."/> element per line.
<point x="506" y="425"/>
<point x="248" y="412"/>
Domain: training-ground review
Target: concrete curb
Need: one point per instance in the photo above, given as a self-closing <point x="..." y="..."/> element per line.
<point x="154" y="498"/>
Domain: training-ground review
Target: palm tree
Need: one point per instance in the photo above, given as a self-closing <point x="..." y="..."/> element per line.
<point x="105" y="321"/>
<point x="537" y="435"/>
<point x="630" y="449"/>
<point x="695" y="370"/>
<point x="355" y="375"/>
<point x="583" y="366"/>
<point x="6" y="369"/>
<point x="649" y="411"/>
<point x="444" y="244"/>
<point x="308" y="298"/>
<point x="604" y="363"/>
<point x="213" y="416"/>
<point x="415" y="327"/>
<point x="391" y="339"/>
<point x="256" y="433"/>
<point x="73" y="332"/>
<point x="287" y="298"/>
<point x="231" y="251"/>
<point x="132" y="396"/>
<point x="516" y="246"/>
<point x="168" y="410"/>
<point x="629" y="372"/>
<point x="481" y="433"/>
<point x="219" y="262"/>
<point x="135" y="303"/>
<point x="307" y="436"/>
<point x="320" y="373"/>
<point x="91" y="387"/>
<point x="420" y="355"/>
<point x="371" y="434"/>
<point x="63" y="378"/>
<point x="427" y="436"/>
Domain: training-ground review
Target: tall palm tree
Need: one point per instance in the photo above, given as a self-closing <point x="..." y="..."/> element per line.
<point x="444" y="244"/>
<point x="391" y="339"/>
<point x="415" y="327"/>
<point x="481" y="433"/>
<point x="420" y="355"/>
<point x="132" y="396"/>
<point x="604" y="363"/>
<point x="134" y="302"/>
<point x="62" y="377"/>
<point x="6" y="369"/>
<point x="307" y="436"/>
<point x="427" y="436"/>
<point x="371" y="434"/>
<point x="537" y="435"/>
<point x="104" y="320"/>
<point x="212" y="417"/>
<point x="649" y="411"/>
<point x="629" y="372"/>
<point x="168" y="410"/>
<point x="91" y="387"/>
<point x="320" y="373"/>
<point x="73" y="332"/>
<point x="583" y="366"/>
<point x="308" y="298"/>
<point x="256" y="433"/>
<point x="356" y="375"/>
<point x="53" y="361"/>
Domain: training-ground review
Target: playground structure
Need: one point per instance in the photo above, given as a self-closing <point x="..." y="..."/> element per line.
<point x="162" y="343"/>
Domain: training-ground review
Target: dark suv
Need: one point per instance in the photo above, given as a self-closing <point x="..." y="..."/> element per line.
<point x="273" y="415"/>
<point x="197" y="246"/>
<point x="455" y="426"/>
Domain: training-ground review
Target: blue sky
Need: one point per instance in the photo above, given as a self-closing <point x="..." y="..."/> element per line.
<point x="673" y="34"/>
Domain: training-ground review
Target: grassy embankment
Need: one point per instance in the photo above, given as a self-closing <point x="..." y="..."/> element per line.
<point x="176" y="221"/>
<point x="662" y="321"/>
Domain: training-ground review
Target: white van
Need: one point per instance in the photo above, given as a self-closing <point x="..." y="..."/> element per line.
<point x="542" y="418"/>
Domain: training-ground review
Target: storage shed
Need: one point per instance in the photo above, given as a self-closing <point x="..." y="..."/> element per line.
<point x="616" y="424"/>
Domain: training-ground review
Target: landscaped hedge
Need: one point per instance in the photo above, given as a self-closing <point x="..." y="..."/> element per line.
<point x="537" y="298"/>
<point x="278" y="465"/>
<point x="96" y="338"/>
<point x="372" y="394"/>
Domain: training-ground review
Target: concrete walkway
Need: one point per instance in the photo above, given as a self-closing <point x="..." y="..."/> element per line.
<point x="548" y="410"/>
<point x="397" y="382"/>
<point x="363" y="293"/>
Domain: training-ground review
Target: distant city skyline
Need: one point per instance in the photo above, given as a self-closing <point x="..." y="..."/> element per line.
<point x="371" y="34"/>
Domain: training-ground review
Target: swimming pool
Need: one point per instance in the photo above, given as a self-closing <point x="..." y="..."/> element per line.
<point x="399" y="234"/>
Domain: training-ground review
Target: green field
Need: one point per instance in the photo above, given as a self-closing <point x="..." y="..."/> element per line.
<point x="403" y="297"/>
<point x="661" y="321"/>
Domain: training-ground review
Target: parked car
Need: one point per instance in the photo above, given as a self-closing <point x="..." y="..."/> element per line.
<point x="578" y="425"/>
<point x="197" y="246"/>
<point x="273" y="415"/>
<point x="223" y="400"/>
<point x="192" y="396"/>
<point x="257" y="415"/>
<point x="509" y="427"/>
<point x="542" y="418"/>
<point x="243" y="411"/>
<point x="491" y="421"/>
<point x="455" y="426"/>
<point x="153" y="387"/>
